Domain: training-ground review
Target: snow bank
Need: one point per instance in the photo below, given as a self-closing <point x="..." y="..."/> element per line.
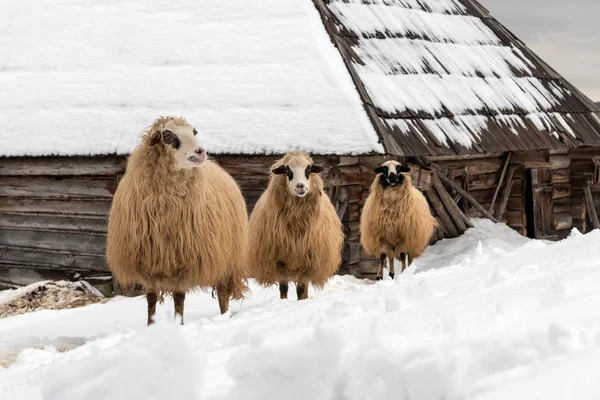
<point x="262" y="76"/>
<point x="490" y="315"/>
<point x="157" y="364"/>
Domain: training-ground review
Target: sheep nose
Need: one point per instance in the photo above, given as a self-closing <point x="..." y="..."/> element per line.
<point x="199" y="150"/>
<point x="300" y="185"/>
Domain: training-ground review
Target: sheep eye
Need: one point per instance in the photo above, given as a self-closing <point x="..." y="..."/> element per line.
<point x="195" y="132"/>
<point x="289" y="173"/>
<point x="308" y="171"/>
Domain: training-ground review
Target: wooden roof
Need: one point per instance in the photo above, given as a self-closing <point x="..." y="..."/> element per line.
<point x="443" y="77"/>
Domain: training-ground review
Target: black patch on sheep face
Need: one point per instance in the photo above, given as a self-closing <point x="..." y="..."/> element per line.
<point x="390" y="175"/>
<point x="171" y="139"/>
<point x="284" y="169"/>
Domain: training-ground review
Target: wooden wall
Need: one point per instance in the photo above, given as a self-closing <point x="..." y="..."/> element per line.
<point x="53" y="211"/>
<point x="53" y="217"/>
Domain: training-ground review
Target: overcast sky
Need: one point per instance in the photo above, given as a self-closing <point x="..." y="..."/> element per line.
<point x="565" y="33"/>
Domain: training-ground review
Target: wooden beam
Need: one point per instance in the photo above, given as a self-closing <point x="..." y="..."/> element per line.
<point x="506" y="193"/>
<point x="445" y="219"/>
<point x="493" y="203"/>
<point x="591" y="208"/>
<point x="458" y="189"/>
<point x="449" y="204"/>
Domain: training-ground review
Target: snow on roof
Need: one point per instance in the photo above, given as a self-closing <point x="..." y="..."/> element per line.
<point x="446" y="78"/>
<point x="85" y="78"/>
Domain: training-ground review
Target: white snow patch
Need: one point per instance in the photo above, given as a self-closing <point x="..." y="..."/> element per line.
<point x="253" y="77"/>
<point x="489" y="315"/>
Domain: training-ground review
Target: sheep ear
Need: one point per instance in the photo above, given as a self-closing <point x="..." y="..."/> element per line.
<point x="154" y="139"/>
<point x="316" y="169"/>
<point x="379" y="170"/>
<point x="279" y="170"/>
<point x="402" y="168"/>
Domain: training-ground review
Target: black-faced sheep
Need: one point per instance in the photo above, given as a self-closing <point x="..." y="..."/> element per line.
<point x="396" y="220"/>
<point x="295" y="233"/>
<point x="178" y="221"/>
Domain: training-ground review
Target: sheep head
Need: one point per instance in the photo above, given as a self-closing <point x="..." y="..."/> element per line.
<point x="297" y="167"/>
<point x="178" y="138"/>
<point x="392" y="173"/>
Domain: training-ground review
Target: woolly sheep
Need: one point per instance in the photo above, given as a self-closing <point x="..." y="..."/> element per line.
<point x="396" y="220"/>
<point x="178" y="221"/>
<point x="295" y="233"/>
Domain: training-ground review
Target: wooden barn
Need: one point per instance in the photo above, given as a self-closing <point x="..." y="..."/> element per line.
<point x="488" y="127"/>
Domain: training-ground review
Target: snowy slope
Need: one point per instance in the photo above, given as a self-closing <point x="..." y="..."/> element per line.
<point x="490" y="315"/>
<point x="86" y="77"/>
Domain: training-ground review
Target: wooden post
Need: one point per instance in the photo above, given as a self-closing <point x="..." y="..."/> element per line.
<point x="491" y="208"/>
<point x="506" y="192"/>
<point x="591" y="208"/>
<point x="449" y="204"/>
<point x="442" y="213"/>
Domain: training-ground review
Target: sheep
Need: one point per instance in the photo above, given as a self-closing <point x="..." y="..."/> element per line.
<point x="295" y="233"/>
<point x="178" y="221"/>
<point x="396" y="220"/>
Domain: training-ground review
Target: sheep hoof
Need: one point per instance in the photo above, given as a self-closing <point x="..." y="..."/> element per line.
<point x="378" y="278"/>
<point x="392" y="275"/>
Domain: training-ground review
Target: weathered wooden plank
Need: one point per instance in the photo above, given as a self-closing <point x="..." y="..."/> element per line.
<point x="515" y="218"/>
<point x="505" y="193"/>
<point x="483" y="182"/>
<point x="561" y="176"/>
<point x="591" y="209"/>
<point x="532" y="159"/>
<point x="474" y="167"/>
<point x="561" y="191"/>
<point x="57" y="187"/>
<point x="578" y="211"/>
<point x="562" y="205"/>
<point x="90" y="243"/>
<point x="41" y="258"/>
<point x="346" y="176"/>
<point x="19" y="275"/>
<point x="351" y="252"/>
<point x="581" y="225"/>
<point x="560" y="161"/>
<point x="450" y="206"/>
<point x="53" y="222"/>
<point x="499" y="185"/>
<point x="446" y="220"/>
<point x="99" y="207"/>
<point x="62" y="166"/>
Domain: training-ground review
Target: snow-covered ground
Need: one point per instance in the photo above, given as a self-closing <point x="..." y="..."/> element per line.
<point x="490" y="315"/>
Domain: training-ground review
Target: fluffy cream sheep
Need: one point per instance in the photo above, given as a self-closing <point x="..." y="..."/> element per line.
<point x="178" y="221"/>
<point x="295" y="234"/>
<point x="396" y="220"/>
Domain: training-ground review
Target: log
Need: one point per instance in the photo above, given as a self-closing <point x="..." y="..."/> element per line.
<point x="531" y="159"/>
<point x="58" y="188"/>
<point x="449" y="205"/>
<point x="88" y="243"/>
<point x="561" y="176"/>
<point x="561" y="191"/>
<point x="466" y="196"/>
<point x="53" y="222"/>
<point x="560" y="161"/>
<point x="500" y="181"/>
<point x="516" y="218"/>
<point x="351" y="252"/>
<point x="62" y="166"/>
<point x="442" y="228"/>
<point x="591" y="209"/>
<point x="439" y="208"/>
<point x="580" y="224"/>
<point x="458" y="189"/>
<point x="55" y="206"/>
<point x="44" y="258"/>
<point x="562" y="221"/>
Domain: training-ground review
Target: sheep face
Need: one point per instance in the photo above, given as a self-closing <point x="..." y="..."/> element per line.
<point x="392" y="173"/>
<point x="298" y="170"/>
<point x="179" y="138"/>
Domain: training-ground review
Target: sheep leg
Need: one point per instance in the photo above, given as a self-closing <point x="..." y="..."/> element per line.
<point x="391" y="265"/>
<point x="283" y="290"/>
<point x="302" y="290"/>
<point x="179" y="299"/>
<point x="381" y="265"/>
<point x="223" y="295"/>
<point x="403" y="259"/>
<point x="151" y="298"/>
